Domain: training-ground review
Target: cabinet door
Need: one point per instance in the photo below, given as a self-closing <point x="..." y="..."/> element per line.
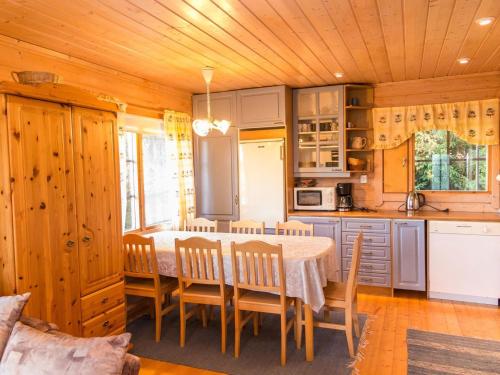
<point x="43" y="196"/>
<point x="222" y="105"/>
<point x="98" y="198"/>
<point x="409" y="254"/>
<point x="261" y="108"/>
<point x="396" y="169"/>
<point x="327" y="227"/>
<point x="216" y="175"/>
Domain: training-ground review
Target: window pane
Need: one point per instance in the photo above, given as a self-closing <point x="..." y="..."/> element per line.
<point x="129" y="181"/>
<point x="445" y="162"/>
<point x="157" y="180"/>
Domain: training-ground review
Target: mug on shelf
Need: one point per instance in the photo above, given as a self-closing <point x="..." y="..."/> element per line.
<point x="358" y="143"/>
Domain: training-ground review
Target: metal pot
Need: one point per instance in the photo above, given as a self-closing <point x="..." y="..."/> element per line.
<point x="414" y="201"/>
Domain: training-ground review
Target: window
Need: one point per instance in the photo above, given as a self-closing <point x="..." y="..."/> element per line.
<point x="443" y="161"/>
<point x="148" y="195"/>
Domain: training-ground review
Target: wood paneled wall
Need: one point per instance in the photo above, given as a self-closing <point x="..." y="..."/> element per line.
<point x="436" y="90"/>
<point x="143" y="97"/>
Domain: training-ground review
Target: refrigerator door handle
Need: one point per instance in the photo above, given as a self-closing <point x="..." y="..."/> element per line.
<point x="236" y="200"/>
<point x="281" y="152"/>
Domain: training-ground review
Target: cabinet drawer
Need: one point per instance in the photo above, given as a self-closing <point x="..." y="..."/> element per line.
<point x="373" y="266"/>
<point x="103" y="300"/>
<point x="358" y="225"/>
<point x="368" y="252"/>
<point x="369" y="239"/>
<point x="106" y="323"/>
<point x="373" y="279"/>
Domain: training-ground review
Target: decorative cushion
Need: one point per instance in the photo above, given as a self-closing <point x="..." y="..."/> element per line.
<point x="38" y="324"/>
<point x="30" y="351"/>
<point x="11" y="308"/>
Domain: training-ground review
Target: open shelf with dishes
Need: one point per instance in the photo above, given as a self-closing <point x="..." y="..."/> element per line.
<point x="358" y="138"/>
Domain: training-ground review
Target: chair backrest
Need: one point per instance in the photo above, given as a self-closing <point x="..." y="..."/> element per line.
<point x="256" y="265"/>
<point x="294" y="228"/>
<point x="200" y="224"/>
<point x="246" y="226"/>
<point x="195" y="262"/>
<point x="140" y="256"/>
<point x="352" y="278"/>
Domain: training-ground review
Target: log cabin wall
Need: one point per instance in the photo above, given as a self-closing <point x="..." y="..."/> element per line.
<point x="375" y="193"/>
<point x="143" y="97"/>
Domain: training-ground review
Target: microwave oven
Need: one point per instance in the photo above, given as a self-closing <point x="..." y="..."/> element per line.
<point x="315" y="198"/>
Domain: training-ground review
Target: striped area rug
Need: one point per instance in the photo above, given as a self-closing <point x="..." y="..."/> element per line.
<point x="432" y="353"/>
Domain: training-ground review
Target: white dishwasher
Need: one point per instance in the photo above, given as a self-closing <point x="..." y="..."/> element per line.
<point x="464" y="261"/>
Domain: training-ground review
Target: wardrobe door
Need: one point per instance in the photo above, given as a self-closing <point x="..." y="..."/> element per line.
<point x="98" y="204"/>
<point x="43" y="198"/>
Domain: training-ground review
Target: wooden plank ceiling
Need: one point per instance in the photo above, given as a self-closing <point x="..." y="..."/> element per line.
<point x="256" y="43"/>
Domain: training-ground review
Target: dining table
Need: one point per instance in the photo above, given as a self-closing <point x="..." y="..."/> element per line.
<point x="308" y="263"/>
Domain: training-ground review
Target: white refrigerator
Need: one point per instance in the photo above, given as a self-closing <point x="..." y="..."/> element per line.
<point x="262" y="181"/>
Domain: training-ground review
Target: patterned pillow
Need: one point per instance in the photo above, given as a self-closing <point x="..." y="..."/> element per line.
<point x="30" y="351"/>
<point x="11" y="308"/>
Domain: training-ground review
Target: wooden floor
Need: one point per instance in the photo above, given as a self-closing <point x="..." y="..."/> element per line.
<point x="386" y="351"/>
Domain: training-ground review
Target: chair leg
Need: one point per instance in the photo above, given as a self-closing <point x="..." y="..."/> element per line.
<point x="348" y="330"/>
<point x="204" y="315"/>
<point x="355" y="318"/>
<point x="182" y="318"/>
<point x="237" y="332"/>
<point x="223" y="324"/>
<point x="256" y="323"/>
<point x="158" y="317"/>
<point x="326" y="314"/>
<point x="298" y="323"/>
<point x="283" y="338"/>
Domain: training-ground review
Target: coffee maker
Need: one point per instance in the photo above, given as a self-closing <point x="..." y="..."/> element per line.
<point x="344" y="197"/>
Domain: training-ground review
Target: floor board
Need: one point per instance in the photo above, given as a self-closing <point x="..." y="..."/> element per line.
<point x="386" y="351"/>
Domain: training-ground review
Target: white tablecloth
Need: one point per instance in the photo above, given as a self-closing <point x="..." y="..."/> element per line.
<point x="306" y="260"/>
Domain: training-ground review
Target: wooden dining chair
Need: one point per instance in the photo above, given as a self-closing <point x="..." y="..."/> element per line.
<point x="294" y="228"/>
<point x="200" y="224"/>
<point x="246" y="226"/>
<point x="142" y="278"/>
<point x="343" y="296"/>
<point x="200" y="270"/>
<point x="257" y="275"/>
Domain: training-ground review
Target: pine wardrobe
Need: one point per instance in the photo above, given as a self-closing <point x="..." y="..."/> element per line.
<point x="60" y="217"/>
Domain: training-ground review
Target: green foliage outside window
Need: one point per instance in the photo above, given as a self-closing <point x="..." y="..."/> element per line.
<point x="445" y="162"/>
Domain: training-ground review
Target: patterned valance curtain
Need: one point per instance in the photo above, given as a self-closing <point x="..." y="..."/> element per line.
<point x="178" y="132"/>
<point x="475" y="122"/>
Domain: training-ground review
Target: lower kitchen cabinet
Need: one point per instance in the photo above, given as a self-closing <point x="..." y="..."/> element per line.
<point x="409" y="254"/>
<point x="327" y="227"/>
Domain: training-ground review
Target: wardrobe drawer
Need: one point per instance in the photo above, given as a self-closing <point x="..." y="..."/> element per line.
<point x="102" y="300"/>
<point x="369" y="239"/>
<point x="106" y="323"/>
<point x="372" y="279"/>
<point x="372" y="266"/>
<point x="374" y="225"/>
<point x="368" y="252"/>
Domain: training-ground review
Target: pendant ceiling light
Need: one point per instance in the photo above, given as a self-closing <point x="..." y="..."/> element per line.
<point x="203" y="126"/>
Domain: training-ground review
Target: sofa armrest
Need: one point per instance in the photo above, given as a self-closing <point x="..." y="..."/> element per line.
<point x="132" y="365"/>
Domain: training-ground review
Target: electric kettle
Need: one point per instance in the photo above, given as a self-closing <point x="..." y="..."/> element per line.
<point x="414" y="201"/>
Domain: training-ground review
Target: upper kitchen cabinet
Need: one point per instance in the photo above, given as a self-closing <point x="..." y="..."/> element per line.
<point x="223" y="106"/>
<point x="262" y="107"/>
<point x="318" y="124"/>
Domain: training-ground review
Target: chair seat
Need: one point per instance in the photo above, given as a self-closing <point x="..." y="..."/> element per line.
<point x="335" y="291"/>
<point x="167" y="284"/>
<point x="205" y="291"/>
<point x="261" y="298"/>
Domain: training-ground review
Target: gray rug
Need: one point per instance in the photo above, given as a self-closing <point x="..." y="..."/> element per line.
<point x="432" y="353"/>
<point x="259" y="355"/>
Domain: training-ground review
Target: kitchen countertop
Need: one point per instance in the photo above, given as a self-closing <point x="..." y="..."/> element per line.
<point x="419" y="215"/>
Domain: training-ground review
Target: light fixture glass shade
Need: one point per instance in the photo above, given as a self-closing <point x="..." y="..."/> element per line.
<point x="201" y="127"/>
<point x="222" y="125"/>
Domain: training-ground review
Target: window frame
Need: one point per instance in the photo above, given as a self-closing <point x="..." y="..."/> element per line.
<point x="412" y="172"/>
<point x="143" y="228"/>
